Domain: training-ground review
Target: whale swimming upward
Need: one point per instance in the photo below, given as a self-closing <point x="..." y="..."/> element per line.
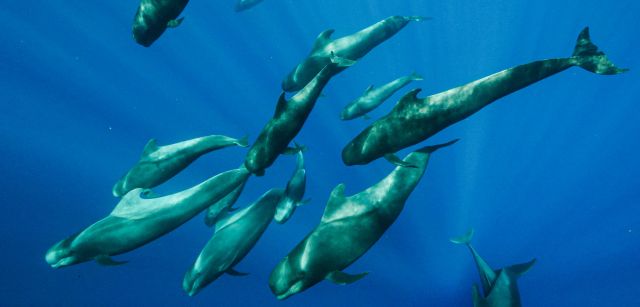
<point x="414" y="120"/>
<point x="137" y="220"/>
<point x="499" y="286"/>
<point x="352" y="47"/>
<point x="348" y="228"/>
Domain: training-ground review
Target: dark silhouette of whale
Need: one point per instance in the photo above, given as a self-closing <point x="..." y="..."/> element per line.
<point x="349" y="227"/>
<point x="153" y="17"/>
<point x="500" y="286"/>
<point x="414" y="120"/>
<point x="352" y="47"/>
<point x="243" y="5"/>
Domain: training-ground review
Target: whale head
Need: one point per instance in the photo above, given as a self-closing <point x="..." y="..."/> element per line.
<point x="193" y="282"/>
<point x="61" y="254"/>
<point x="287" y="280"/>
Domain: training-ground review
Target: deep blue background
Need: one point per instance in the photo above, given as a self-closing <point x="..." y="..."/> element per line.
<point x="548" y="172"/>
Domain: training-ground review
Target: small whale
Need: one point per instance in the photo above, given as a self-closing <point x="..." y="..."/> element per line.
<point x="136" y="221"/>
<point x="155" y="16"/>
<point x="352" y="47"/>
<point x="288" y="120"/>
<point x="234" y="237"/>
<point x="372" y="98"/>
<point x="349" y="227"/>
<point x="414" y="120"/>
<point x="159" y="163"/>
<point x="293" y="193"/>
<point x="218" y="210"/>
<point x="243" y="5"/>
<point x="500" y="286"/>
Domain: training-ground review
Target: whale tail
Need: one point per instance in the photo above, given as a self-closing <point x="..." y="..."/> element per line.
<point x="432" y="148"/>
<point x="466" y="239"/>
<point x="243" y="142"/>
<point x="587" y="56"/>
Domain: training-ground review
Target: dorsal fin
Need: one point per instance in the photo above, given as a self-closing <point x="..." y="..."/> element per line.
<point x="151" y="146"/>
<point x="281" y="106"/>
<point x="335" y="200"/>
<point x="322" y="40"/>
<point x="409" y="97"/>
<point x="129" y="206"/>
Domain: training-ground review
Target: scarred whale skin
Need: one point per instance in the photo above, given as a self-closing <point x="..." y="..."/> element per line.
<point x="500" y="286"/>
<point x="153" y="17"/>
<point x="233" y="239"/>
<point x="160" y="163"/>
<point x="352" y="47"/>
<point x="414" y="120"/>
<point x="349" y="227"/>
<point x="287" y="121"/>
<point x="136" y="221"/>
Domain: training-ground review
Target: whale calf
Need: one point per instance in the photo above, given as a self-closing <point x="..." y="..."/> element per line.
<point x="243" y="5"/>
<point x="153" y="17"/>
<point x="293" y="193"/>
<point x="288" y="120"/>
<point x="352" y="47"/>
<point x="500" y="286"/>
<point x="348" y="228"/>
<point x="413" y="120"/>
<point x="159" y="163"/>
<point x="136" y="221"/>
<point x="234" y="237"/>
<point x="222" y="206"/>
<point x="373" y="97"/>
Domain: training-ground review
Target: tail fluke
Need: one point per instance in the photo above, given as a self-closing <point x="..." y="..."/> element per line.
<point x="430" y="149"/>
<point x="466" y="239"/>
<point x="587" y="56"/>
<point x="244" y="141"/>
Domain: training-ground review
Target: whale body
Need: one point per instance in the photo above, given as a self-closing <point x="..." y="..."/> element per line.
<point x="414" y="120"/>
<point x="153" y="17"/>
<point x="348" y="228"/>
<point x="136" y="221"/>
<point x="160" y="163"/>
<point x="352" y="47"/>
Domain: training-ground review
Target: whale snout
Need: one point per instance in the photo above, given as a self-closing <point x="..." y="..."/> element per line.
<point x="59" y="256"/>
<point x="192" y="283"/>
<point x="285" y="281"/>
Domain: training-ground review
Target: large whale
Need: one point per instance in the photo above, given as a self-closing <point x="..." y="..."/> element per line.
<point x="136" y="221"/>
<point x="159" y="163"/>
<point x="234" y="237"/>
<point x="293" y="193"/>
<point x="153" y="17"/>
<point x="348" y="228"/>
<point x="373" y="97"/>
<point x="413" y="120"/>
<point x="500" y="286"/>
<point x="352" y="47"/>
<point x="242" y="5"/>
<point x="288" y="120"/>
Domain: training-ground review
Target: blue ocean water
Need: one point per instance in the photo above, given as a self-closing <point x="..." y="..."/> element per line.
<point x="549" y="172"/>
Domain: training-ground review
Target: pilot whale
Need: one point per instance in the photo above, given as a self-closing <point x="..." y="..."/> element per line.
<point x="153" y="17"/>
<point x="222" y="206"/>
<point x="348" y="228"/>
<point x="373" y="97"/>
<point x="243" y="5"/>
<point x="413" y="120"/>
<point x="499" y="286"/>
<point x="234" y="237"/>
<point x="136" y="221"/>
<point x="293" y="193"/>
<point x="159" y="163"/>
<point x="352" y="47"/>
<point x="288" y="119"/>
